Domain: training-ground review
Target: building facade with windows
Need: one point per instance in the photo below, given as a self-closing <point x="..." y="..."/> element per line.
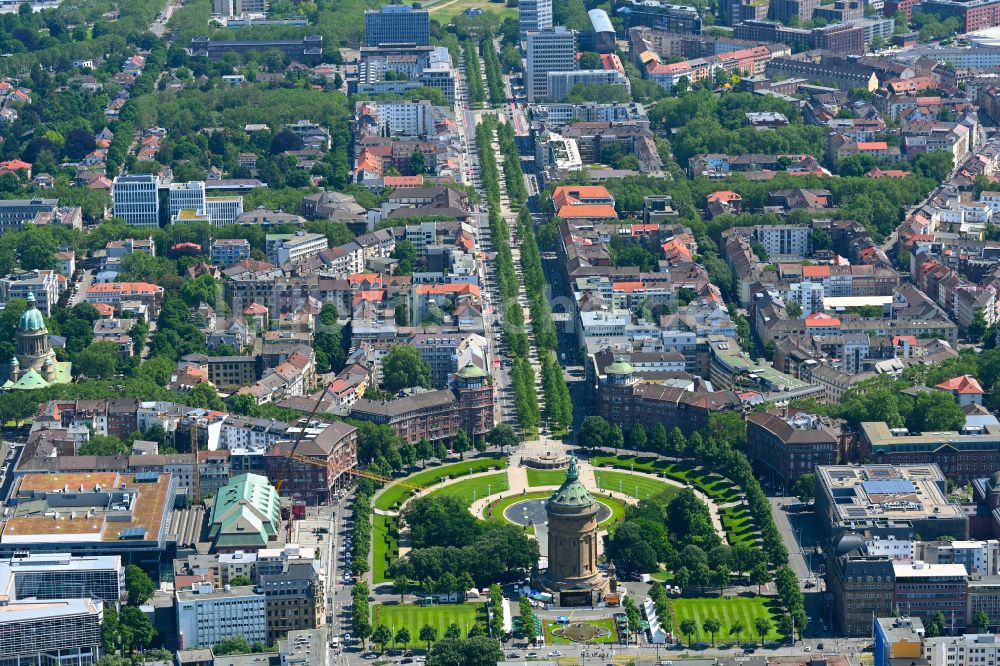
<point x="63" y="632"/>
<point x="206" y="615"/>
<point x="136" y="199"/>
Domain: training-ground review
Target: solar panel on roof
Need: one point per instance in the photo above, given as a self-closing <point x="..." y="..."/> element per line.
<point x="147" y="477"/>
<point x="133" y="533"/>
<point x="855" y="512"/>
<point x="888" y="487"/>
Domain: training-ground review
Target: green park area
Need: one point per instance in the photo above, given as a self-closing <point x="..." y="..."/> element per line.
<point x="445" y="11"/>
<point x="396" y="494"/>
<point x="414" y="617"/>
<point x="727" y="611"/>
<point x="639" y="487"/>
<point x="470" y="490"/>
<point x="546" y="477"/>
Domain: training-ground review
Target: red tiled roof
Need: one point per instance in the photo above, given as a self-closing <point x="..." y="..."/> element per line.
<point x="963" y="385"/>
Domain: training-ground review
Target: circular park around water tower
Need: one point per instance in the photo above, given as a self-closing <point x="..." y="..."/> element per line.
<point x="514" y="493"/>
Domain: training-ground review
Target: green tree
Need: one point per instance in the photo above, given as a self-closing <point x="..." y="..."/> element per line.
<point x="428" y="634"/>
<point x="237" y="581"/>
<point x="405" y="253"/>
<point x="231" y="645"/>
<point x="139" y="585"/>
<point x="111" y="637"/>
<point x="637" y="437"/>
<point x="98" y="361"/>
<point x="712" y="626"/>
<point x="737" y="629"/>
<point x="382" y="635"/>
<point x="689" y="628"/>
<point x="401" y="586"/>
<point x="137" y="629"/>
<point x="937" y="625"/>
<point x="243" y="404"/>
<point x="101" y="445"/>
<point x="981" y="619"/>
<point x="793" y="310"/>
<point x="418" y="164"/>
<point x="461" y="443"/>
<point x="760" y="576"/>
<point x="503" y="436"/>
<point x="935" y="411"/>
<point x="205" y="396"/>
<point x="403" y="637"/>
<point x="804" y="487"/>
<point x="594" y="432"/>
<point x="403" y="367"/>
<point x="762" y="626"/>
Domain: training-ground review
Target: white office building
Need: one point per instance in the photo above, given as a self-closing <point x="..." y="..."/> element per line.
<point x="206" y="615"/>
<point x="224" y="210"/>
<point x="187" y="196"/>
<point x="548" y="51"/>
<point x="136" y="200"/>
<point x="534" y="15"/>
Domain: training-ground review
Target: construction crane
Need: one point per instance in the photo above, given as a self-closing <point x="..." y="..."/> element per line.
<point x="332" y="467"/>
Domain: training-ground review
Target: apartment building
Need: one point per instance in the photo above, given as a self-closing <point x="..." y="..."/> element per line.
<point x="228" y="251"/>
<point x="116" y="294"/>
<point x="285" y="248"/>
<point x="561" y="83"/>
<point x="962" y="456"/>
<point x="46" y="286"/>
<point x="294" y="599"/>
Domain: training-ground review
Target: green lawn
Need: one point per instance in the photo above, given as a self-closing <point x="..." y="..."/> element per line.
<point x="607" y="622"/>
<point x="727" y="611"/>
<point x="546" y="477"/>
<point x="639" y="487"/>
<point x="470" y="490"/>
<point x="445" y="11"/>
<point x="397" y="494"/>
<point x="414" y="617"/>
<point x="739" y="525"/>
<point x="385" y="546"/>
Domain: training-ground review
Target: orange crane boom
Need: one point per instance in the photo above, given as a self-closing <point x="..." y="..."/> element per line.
<point x="332" y="467"/>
